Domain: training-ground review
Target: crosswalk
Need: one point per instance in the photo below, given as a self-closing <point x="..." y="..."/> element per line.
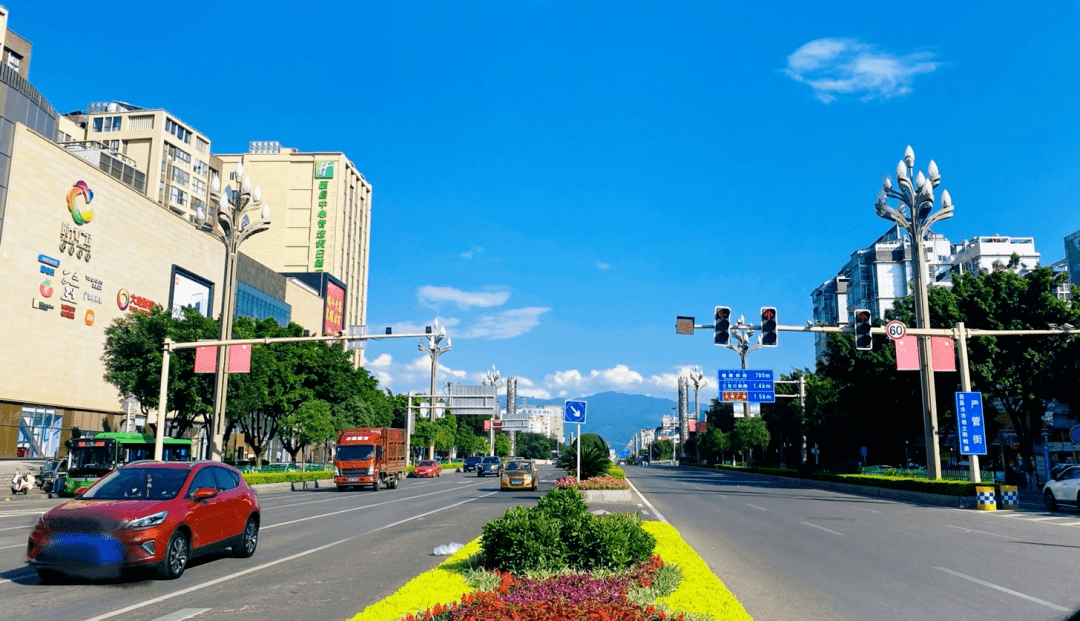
<point x="1068" y="521"/>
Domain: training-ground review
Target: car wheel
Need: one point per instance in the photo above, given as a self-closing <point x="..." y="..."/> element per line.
<point x="341" y="488"/>
<point x="248" y="541"/>
<point x="1049" y="500"/>
<point x="176" y="557"/>
<point x="375" y="485"/>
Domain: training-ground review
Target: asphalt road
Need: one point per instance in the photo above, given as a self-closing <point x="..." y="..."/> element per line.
<point x="789" y="552"/>
<point x="322" y="554"/>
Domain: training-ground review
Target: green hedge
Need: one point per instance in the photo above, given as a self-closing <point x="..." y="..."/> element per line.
<point x="287" y="477"/>
<point x="941" y="486"/>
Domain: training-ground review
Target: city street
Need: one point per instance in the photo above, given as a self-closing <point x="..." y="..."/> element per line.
<point x="322" y="554"/>
<point x="789" y="552"/>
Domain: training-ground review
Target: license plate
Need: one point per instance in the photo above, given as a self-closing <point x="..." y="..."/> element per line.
<point x="352" y="479"/>
<point x="517" y="482"/>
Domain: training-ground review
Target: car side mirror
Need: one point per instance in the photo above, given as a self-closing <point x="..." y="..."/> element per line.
<point x="204" y="493"/>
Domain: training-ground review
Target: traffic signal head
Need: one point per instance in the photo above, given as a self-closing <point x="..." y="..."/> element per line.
<point x="768" y="326"/>
<point x="721" y="325"/>
<point x="863" y="340"/>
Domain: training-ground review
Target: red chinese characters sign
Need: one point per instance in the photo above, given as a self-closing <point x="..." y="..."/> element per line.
<point x="334" y="317"/>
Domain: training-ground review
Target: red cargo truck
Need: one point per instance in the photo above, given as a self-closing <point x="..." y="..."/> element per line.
<point x="372" y="456"/>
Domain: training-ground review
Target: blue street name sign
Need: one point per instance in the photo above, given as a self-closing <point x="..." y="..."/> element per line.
<point x="574" y="412"/>
<point x="756" y="383"/>
<point x="970" y="422"/>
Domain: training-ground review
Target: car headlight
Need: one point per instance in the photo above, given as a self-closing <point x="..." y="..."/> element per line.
<point x="337" y="471"/>
<point x="146" y="522"/>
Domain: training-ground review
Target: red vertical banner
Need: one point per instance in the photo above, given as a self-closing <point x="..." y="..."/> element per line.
<point x="239" y="358"/>
<point x="206" y="359"/>
<point x="943" y="353"/>
<point x="334" y="309"/>
<point x="907" y="353"/>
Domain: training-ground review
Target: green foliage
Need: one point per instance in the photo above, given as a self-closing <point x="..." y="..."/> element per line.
<point x="534" y="445"/>
<point x="750" y="433"/>
<point x="594" y="461"/>
<point x="311" y="423"/>
<point x="615" y="472"/>
<point x="660" y="449"/>
<point x="502" y="445"/>
<point x="560" y="532"/>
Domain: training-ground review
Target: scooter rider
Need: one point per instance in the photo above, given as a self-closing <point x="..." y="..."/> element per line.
<point x="22" y="482"/>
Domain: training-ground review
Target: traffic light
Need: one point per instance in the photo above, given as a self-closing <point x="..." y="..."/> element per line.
<point x="768" y="326"/>
<point x="721" y="325"/>
<point x="863" y="340"/>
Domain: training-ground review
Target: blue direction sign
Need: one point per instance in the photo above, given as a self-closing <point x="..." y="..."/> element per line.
<point x="574" y="412"/>
<point x="754" y="385"/>
<point x="972" y="426"/>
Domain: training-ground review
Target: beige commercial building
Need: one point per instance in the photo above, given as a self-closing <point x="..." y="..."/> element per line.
<point x="79" y="250"/>
<point x="321" y="208"/>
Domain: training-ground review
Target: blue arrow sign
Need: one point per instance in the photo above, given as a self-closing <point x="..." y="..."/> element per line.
<point x="574" y="412"/>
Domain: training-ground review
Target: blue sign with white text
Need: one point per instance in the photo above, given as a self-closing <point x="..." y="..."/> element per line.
<point x="574" y="412"/>
<point x="756" y="383"/>
<point x="971" y="426"/>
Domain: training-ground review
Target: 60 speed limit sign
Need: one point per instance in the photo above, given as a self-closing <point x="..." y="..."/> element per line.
<point x="896" y="330"/>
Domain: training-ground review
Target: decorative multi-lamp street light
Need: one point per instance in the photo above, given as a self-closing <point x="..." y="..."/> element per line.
<point x="434" y="348"/>
<point x="234" y="224"/>
<point x="915" y="213"/>
<point x="697" y="378"/>
<point x="492" y="377"/>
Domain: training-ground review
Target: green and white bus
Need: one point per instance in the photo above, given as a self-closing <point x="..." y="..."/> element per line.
<point x="93" y="458"/>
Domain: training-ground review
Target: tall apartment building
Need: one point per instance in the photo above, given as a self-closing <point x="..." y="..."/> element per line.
<point x="155" y="142"/>
<point x="877" y="276"/>
<point x="321" y="222"/>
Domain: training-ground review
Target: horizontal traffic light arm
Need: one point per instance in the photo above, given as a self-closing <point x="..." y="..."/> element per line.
<point x="951" y="332"/>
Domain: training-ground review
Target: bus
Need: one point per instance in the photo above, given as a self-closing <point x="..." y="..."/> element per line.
<point x="92" y="458"/>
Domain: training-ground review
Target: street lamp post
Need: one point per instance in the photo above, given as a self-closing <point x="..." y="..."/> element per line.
<point x="434" y="348"/>
<point x="915" y="196"/>
<point x="492" y="377"/>
<point x="234" y="226"/>
<point x="697" y="378"/>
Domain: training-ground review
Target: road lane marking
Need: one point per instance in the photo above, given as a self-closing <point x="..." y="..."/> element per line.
<point x="371" y="506"/>
<point x="1003" y="589"/>
<point x="1043" y="519"/>
<point x="756" y="507"/>
<point x="293" y="557"/>
<point x="659" y="516"/>
<point x="183" y="613"/>
<point x="865" y="509"/>
<point x="824" y="529"/>
<point x="21" y="545"/>
<point x="981" y="532"/>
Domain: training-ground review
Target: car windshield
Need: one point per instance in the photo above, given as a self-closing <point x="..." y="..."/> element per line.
<point x="517" y="465"/>
<point x="355" y="452"/>
<point x="427" y="462"/>
<point x="139" y="483"/>
<point x="491" y="460"/>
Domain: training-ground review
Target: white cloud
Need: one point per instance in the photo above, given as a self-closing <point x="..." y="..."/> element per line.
<point x="431" y="296"/>
<point x="836" y="67"/>
<point x="600" y="265"/>
<point x="506" y="324"/>
<point x="619" y="377"/>
<point x="469" y="254"/>
<point x="670" y="381"/>
<point x="382" y="361"/>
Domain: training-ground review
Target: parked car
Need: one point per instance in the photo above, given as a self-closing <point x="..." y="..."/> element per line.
<point x="1062" y="489"/>
<point x="47" y="474"/>
<point x="427" y="468"/>
<point x="147" y="514"/>
<point x="518" y="474"/>
<point x="489" y="464"/>
<point x="470" y="463"/>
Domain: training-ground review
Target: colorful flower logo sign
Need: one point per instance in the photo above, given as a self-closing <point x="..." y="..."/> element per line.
<point x="78" y="215"/>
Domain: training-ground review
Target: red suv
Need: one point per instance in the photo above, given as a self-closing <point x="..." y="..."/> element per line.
<point x="147" y="514"/>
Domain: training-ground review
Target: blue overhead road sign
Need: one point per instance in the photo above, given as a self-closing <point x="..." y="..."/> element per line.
<point x="574" y="412"/>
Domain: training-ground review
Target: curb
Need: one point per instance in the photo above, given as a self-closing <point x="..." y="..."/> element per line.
<point x="293" y="486"/>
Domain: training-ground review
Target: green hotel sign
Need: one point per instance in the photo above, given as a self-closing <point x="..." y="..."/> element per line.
<point x="324" y="169"/>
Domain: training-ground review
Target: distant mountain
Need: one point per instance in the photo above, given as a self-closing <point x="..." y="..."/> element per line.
<point x="614" y="416"/>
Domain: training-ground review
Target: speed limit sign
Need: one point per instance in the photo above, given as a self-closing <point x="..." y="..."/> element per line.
<point x="896" y="330"/>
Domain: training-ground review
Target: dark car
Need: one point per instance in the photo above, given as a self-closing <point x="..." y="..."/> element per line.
<point x="147" y="514"/>
<point x="470" y="463"/>
<point x="490" y="464"/>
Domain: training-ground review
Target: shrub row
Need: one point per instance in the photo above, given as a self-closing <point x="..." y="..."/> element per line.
<point x="559" y="532"/>
<point x="944" y="487"/>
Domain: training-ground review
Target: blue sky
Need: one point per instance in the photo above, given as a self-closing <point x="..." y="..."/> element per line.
<point x="556" y="180"/>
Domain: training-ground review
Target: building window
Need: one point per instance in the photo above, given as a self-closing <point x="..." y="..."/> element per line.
<point x="201" y="167"/>
<point x="197" y="204"/>
<point x="180" y="176"/>
<point x="14" y="60"/>
<point x="201" y="145"/>
<point x="179" y="155"/>
<point x="198" y="186"/>
<point x="107" y="123"/>
<point x="177" y="130"/>
<point x="177" y="196"/>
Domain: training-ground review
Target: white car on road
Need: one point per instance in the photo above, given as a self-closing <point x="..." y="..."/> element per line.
<point x="1063" y="489"/>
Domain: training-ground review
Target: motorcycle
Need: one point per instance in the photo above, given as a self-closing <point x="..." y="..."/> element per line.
<point x="22" y="482"/>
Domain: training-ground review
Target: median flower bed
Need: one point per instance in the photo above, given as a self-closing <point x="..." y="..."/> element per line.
<point x="568" y="565"/>
<point x="595" y="483"/>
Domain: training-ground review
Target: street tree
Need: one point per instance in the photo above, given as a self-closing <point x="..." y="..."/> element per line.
<point x="310" y="424"/>
<point x="750" y="433"/>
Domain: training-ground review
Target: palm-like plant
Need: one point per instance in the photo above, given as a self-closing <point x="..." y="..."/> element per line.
<point x="594" y="461"/>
